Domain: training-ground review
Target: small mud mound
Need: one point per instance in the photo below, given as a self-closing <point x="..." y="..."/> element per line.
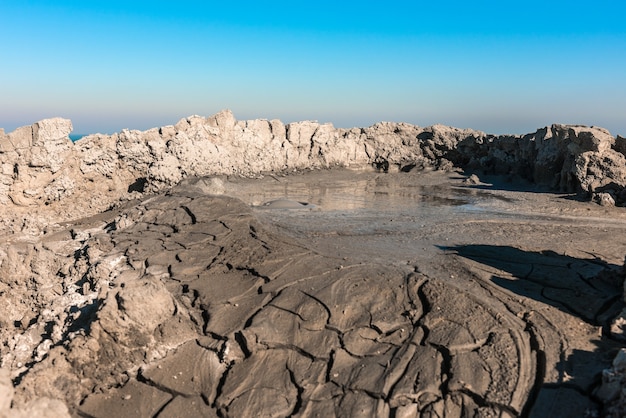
<point x="286" y="204"/>
<point x="185" y="306"/>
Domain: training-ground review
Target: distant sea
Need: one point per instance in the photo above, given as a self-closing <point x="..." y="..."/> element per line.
<point x="76" y="137"/>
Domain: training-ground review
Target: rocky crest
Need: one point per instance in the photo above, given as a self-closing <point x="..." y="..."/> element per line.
<point x="40" y="166"/>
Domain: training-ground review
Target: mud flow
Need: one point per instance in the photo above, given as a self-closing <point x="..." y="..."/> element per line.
<point x="544" y="264"/>
<point x="330" y="293"/>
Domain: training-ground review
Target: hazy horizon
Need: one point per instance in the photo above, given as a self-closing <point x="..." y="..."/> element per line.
<point x="495" y="67"/>
<point x="78" y="134"/>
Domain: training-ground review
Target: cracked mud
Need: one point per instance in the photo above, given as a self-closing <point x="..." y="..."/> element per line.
<point x="441" y="302"/>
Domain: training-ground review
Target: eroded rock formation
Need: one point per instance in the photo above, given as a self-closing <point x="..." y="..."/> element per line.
<point x="40" y="166"/>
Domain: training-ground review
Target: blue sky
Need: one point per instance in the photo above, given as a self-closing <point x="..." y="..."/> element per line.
<point x="501" y="67"/>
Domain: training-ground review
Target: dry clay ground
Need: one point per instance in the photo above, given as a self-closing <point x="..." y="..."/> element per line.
<point x="386" y="294"/>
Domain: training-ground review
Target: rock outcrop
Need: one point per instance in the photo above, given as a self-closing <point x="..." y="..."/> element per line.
<point x="40" y="166"/>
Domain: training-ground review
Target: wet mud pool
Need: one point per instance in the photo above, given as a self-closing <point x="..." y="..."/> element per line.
<point x="408" y="216"/>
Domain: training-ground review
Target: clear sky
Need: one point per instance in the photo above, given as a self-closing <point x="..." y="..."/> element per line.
<point x="497" y="66"/>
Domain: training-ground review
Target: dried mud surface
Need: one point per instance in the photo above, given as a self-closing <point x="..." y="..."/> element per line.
<point x="335" y="293"/>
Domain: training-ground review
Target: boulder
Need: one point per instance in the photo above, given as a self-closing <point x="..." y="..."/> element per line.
<point x="19" y="139"/>
<point x="51" y="143"/>
<point x="51" y="131"/>
<point x="583" y="138"/>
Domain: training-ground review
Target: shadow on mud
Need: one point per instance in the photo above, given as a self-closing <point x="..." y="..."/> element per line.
<point x="589" y="289"/>
<point x="514" y="183"/>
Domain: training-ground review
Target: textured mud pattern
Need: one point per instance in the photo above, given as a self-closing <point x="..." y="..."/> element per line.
<point x="185" y="305"/>
<point x="565" y="304"/>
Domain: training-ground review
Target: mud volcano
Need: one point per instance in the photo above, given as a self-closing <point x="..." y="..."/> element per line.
<point x="139" y="280"/>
